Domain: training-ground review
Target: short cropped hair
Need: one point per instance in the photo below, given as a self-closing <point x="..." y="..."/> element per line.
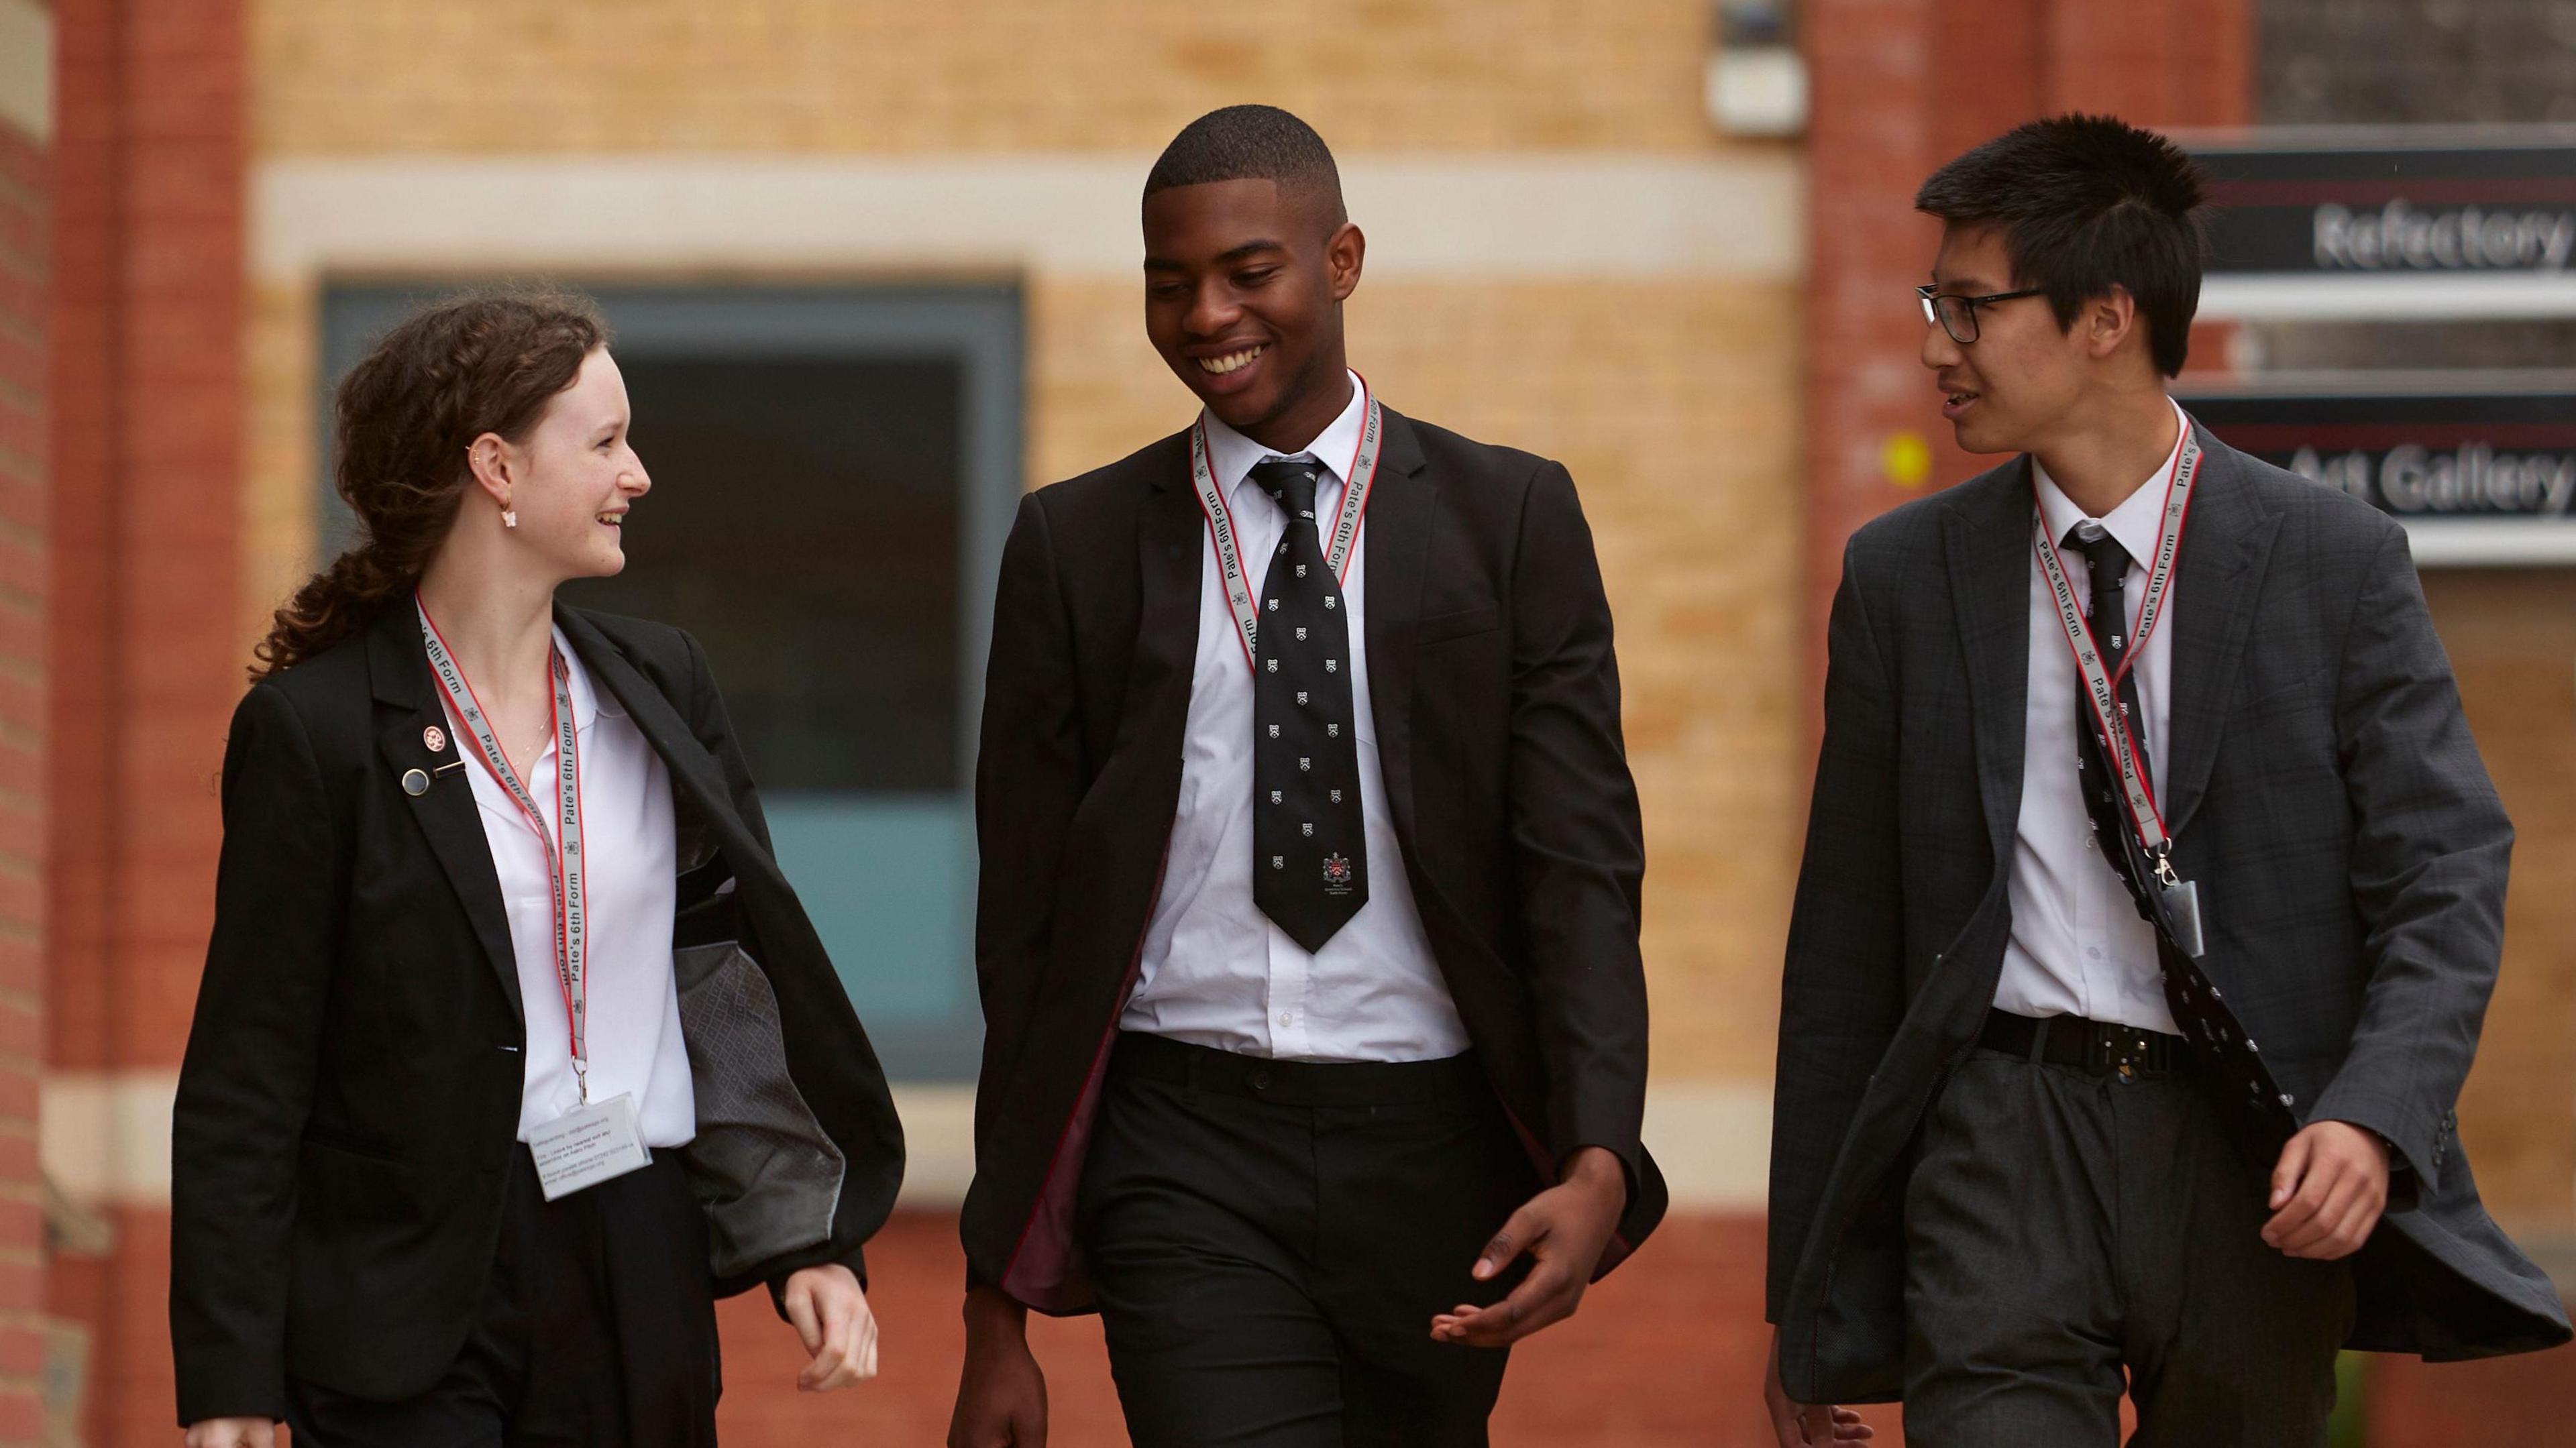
<point x="1249" y="143"/>
<point x="2087" y="203"/>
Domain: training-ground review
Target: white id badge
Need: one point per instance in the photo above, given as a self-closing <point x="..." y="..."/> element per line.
<point x="587" y="1146"/>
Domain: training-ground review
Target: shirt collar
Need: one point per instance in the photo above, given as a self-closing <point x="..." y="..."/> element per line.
<point x="1231" y="455"/>
<point x="2139" y="518"/>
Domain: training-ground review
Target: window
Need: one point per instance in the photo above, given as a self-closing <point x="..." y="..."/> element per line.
<point x="833" y="474"/>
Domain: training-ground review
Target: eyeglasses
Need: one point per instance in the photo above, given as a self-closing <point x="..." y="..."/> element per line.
<point x="1958" y="315"/>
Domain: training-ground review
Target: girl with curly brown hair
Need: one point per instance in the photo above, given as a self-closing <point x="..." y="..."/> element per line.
<point x="514" y="1049"/>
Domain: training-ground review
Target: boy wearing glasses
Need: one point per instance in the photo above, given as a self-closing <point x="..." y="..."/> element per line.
<point x="2152" y="896"/>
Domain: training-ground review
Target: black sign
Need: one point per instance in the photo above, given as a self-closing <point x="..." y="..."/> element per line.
<point x="2386" y="202"/>
<point x="2508" y="450"/>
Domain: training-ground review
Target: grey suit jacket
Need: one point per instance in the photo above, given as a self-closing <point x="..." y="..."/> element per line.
<point x="2323" y="791"/>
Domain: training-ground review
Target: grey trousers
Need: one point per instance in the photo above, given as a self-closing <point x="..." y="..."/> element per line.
<point x="2070" y="1234"/>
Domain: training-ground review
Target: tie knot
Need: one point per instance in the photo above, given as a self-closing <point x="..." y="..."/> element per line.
<point x="2103" y="554"/>
<point x="1290" y="482"/>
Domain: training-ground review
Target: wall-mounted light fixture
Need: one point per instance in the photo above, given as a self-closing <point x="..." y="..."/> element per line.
<point x="1757" y="80"/>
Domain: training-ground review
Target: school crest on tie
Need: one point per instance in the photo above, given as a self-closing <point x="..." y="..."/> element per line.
<point x="1337" y="873"/>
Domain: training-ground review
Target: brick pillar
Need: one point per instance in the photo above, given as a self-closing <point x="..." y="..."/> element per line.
<point x="147" y="389"/>
<point x="26" y="246"/>
<point x="1899" y="87"/>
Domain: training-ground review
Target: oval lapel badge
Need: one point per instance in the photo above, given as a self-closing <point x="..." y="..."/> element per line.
<point x="415" y="783"/>
<point x="434" y="739"/>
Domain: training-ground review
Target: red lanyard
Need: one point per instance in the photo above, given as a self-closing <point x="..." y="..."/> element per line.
<point x="562" y="843"/>
<point x="1346" y="519"/>
<point x="2101" y="686"/>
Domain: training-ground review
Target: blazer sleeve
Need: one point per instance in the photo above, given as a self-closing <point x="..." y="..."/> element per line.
<point x="1028" y="783"/>
<point x="247" y="1081"/>
<point x="1842" y="987"/>
<point x="2431" y="845"/>
<point x="1578" y="846"/>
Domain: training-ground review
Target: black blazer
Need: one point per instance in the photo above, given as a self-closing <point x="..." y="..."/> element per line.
<point x="2325" y="795"/>
<point x="349" y="1104"/>
<point x="1496" y="697"/>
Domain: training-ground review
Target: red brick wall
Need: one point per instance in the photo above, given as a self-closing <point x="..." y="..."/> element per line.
<point x="26" y="245"/>
<point x="1899" y="87"/>
<point x="146" y="371"/>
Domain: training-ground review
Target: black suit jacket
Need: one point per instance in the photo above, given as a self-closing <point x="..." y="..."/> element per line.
<point x="1496" y="696"/>
<point x="2324" y="793"/>
<point x="348" y="1109"/>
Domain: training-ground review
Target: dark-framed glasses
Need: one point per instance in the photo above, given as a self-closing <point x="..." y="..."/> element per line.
<point x="1958" y="315"/>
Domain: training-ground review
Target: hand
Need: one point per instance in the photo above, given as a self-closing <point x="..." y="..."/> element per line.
<point x="1563" y="1229"/>
<point x="831" y="1316"/>
<point x="1001" y="1394"/>
<point x="2328" y="1191"/>
<point x="232" y="1433"/>
<point x="1806" y="1425"/>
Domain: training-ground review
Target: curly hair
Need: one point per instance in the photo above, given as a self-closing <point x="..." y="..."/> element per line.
<point x="462" y="366"/>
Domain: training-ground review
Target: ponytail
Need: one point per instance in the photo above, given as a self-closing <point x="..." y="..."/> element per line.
<point x="330" y="606"/>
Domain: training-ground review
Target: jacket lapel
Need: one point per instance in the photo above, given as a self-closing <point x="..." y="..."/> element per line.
<point x="1395" y="537"/>
<point x="1987" y="536"/>
<point x="1171" y="553"/>
<point x="2225" y="533"/>
<point x="407" y="706"/>
<point x="694" y="771"/>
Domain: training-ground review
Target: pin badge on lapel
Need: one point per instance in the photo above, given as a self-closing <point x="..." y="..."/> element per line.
<point x="415" y="783"/>
<point x="434" y="739"/>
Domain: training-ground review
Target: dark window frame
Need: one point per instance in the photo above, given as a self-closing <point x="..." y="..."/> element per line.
<point x="979" y="325"/>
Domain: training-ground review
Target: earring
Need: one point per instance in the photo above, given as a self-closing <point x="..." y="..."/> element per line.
<point x="509" y="517"/>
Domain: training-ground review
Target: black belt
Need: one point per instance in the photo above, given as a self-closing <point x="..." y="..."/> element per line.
<point x="2096" y="1046"/>
<point x="1296" y="1083"/>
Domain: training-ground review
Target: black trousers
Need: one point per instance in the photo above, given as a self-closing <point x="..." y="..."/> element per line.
<point x="2069" y="1234"/>
<point x="1271" y="1239"/>
<point x="597" y="1330"/>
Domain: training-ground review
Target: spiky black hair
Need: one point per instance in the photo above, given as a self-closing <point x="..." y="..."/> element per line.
<point x="2088" y="203"/>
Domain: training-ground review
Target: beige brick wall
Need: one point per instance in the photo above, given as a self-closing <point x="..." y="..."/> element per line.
<point x="281" y="351"/>
<point x="2510" y="634"/>
<point x="353" y="77"/>
<point x="1673" y="399"/>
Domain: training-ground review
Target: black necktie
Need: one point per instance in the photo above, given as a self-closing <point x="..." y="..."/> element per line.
<point x="2109" y="564"/>
<point x="1309" y="860"/>
<point x="2231" y="1062"/>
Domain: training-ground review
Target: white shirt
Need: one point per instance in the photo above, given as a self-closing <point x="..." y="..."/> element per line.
<point x="630" y="876"/>
<point x="2078" y="946"/>
<point x="1215" y="970"/>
